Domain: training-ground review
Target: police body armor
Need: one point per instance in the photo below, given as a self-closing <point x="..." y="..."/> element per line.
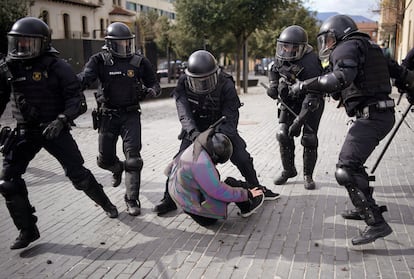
<point x="207" y="108"/>
<point x="373" y="77"/>
<point x="121" y="86"/>
<point x="39" y="92"/>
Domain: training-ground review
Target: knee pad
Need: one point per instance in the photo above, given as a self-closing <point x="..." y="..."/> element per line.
<point x="344" y="177"/>
<point x="134" y="164"/>
<point x="309" y="140"/>
<point x="115" y="167"/>
<point x="282" y="134"/>
<point x="86" y="182"/>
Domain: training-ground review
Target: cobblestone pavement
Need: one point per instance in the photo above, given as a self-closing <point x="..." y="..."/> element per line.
<point x="301" y="235"/>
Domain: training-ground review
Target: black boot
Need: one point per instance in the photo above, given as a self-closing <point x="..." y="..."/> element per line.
<point x="25" y="237"/>
<point x="117" y="174"/>
<point x="287" y="155"/>
<point x="309" y="183"/>
<point x="116" y="168"/>
<point x="376" y="226"/>
<point x="167" y="205"/>
<point x="372" y="233"/>
<point x="96" y="193"/>
<point x="353" y="214"/>
<point x="310" y="156"/>
<point x="133" y="206"/>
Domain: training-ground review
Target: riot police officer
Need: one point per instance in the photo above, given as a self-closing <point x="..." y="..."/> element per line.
<point x="360" y="80"/>
<point x="296" y="60"/>
<point x="125" y="78"/>
<point x="45" y="96"/>
<point x="404" y="75"/>
<point x="203" y="95"/>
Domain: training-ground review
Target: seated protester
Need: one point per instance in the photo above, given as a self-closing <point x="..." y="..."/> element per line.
<point x="194" y="182"/>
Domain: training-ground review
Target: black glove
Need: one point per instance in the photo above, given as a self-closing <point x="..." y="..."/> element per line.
<point x="295" y="128"/>
<point x="152" y="93"/>
<point x="283" y="89"/>
<point x="193" y="135"/>
<point x="272" y="92"/>
<point x="297" y="89"/>
<point x="54" y="128"/>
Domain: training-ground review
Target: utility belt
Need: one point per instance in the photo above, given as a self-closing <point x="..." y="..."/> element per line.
<point x="380" y="106"/>
<point x="104" y="110"/>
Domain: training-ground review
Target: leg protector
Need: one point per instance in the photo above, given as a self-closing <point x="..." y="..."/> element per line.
<point x="310" y="155"/>
<point x="363" y="202"/>
<point x="116" y="170"/>
<point x="133" y="167"/>
<point x="17" y="202"/>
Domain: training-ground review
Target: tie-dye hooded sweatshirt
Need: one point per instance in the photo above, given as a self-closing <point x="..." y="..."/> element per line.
<point x="195" y="186"/>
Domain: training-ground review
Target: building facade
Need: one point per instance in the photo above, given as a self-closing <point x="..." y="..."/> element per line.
<point x="78" y="26"/>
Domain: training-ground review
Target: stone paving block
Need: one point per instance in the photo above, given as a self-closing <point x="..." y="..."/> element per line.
<point x="299" y="235"/>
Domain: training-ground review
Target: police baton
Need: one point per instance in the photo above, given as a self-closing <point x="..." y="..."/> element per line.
<point x="391" y="137"/>
<point x="218" y="122"/>
<point x="281" y="101"/>
<point x="287" y="107"/>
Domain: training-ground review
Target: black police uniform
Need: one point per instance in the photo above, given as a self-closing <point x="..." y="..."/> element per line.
<point x="42" y="90"/>
<point x="360" y="79"/>
<point x="404" y="75"/>
<point x="121" y="81"/>
<point x="197" y="112"/>
<point x="308" y="108"/>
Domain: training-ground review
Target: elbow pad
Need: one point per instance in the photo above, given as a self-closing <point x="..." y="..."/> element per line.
<point x="331" y="82"/>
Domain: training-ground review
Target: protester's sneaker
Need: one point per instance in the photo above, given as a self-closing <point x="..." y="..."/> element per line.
<point x="25" y="237"/>
<point x="133" y="207"/>
<point x="372" y="233"/>
<point x="166" y="205"/>
<point x="254" y="204"/>
<point x="268" y="194"/>
<point x="309" y="183"/>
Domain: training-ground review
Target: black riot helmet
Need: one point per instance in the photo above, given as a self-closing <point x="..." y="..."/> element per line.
<point x="202" y="72"/>
<point x="28" y="38"/>
<point x="119" y="40"/>
<point x="333" y="30"/>
<point x="292" y="43"/>
<point x="222" y="148"/>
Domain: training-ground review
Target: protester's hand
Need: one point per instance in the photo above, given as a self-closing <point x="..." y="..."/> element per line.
<point x="256" y="192"/>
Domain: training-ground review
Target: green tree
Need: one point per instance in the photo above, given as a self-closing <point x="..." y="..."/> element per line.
<point x="10" y="11"/>
<point x="265" y="39"/>
<point x="210" y="19"/>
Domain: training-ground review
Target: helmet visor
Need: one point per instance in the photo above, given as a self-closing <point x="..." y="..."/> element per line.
<point x="122" y="48"/>
<point x="289" y="51"/>
<point x="326" y="43"/>
<point x="20" y="47"/>
<point x="203" y="85"/>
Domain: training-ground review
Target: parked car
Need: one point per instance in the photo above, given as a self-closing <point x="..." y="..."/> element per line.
<point x="176" y="69"/>
<point x="264" y="66"/>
